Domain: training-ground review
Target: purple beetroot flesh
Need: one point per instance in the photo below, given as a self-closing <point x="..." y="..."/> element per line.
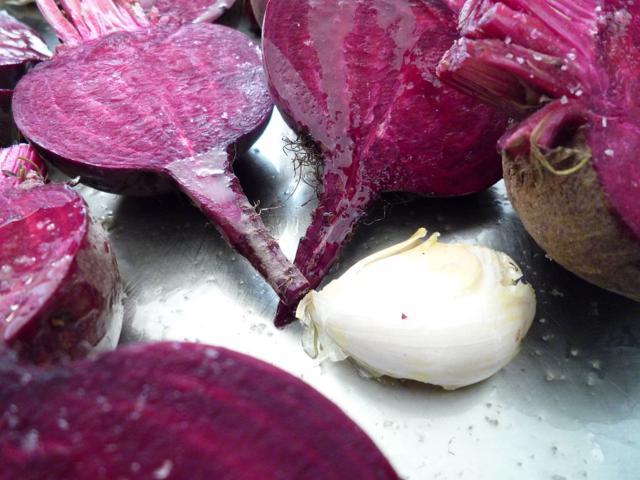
<point x="60" y="291"/>
<point x="360" y="78"/>
<point x="143" y="108"/>
<point x="187" y="11"/>
<point x="175" y="411"/>
<point x="571" y="168"/>
<point x="20" y="48"/>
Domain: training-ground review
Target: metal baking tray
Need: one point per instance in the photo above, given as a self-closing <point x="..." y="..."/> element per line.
<point x="568" y="407"/>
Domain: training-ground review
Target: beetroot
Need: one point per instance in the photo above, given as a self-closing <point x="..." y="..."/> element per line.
<point x="359" y="77"/>
<point x="143" y="108"/>
<point x="175" y="410"/>
<point x="571" y="168"/>
<point x="20" y="48"/>
<point x="60" y="291"/>
<point x="187" y="11"/>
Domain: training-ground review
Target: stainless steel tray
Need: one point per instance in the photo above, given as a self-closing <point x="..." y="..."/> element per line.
<point x="566" y="408"/>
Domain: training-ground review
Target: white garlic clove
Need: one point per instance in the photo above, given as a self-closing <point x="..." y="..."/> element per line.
<point x="444" y="314"/>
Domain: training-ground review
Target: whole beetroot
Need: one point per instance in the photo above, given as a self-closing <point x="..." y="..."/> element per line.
<point x="571" y="168"/>
<point x="359" y="77"/>
<point x="175" y="411"/>
<point x="60" y="291"/>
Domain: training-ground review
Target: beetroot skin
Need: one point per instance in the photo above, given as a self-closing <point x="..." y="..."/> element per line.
<point x="137" y="109"/>
<point x="187" y="11"/>
<point x="571" y="168"/>
<point x="175" y="411"/>
<point x="60" y="291"/>
<point x="20" y="48"/>
<point x="359" y="77"/>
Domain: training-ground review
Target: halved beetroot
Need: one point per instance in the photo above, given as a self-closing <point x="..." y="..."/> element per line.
<point x="359" y="77"/>
<point x="20" y="48"/>
<point x="175" y="411"/>
<point x="134" y="108"/>
<point x="60" y="291"/>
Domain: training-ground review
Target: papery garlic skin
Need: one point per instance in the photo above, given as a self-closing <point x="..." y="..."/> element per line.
<point x="444" y="314"/>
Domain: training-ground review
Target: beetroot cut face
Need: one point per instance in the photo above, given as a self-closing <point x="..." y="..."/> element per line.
<point x="138" y="109"/>
<point x="571" y="168"/>
<point x="359" y="77"/>
<point x="20" y="48"/>
<point x="60" y="290"/>
<point x="187" y="11"/>
<point x="175" y="410"/>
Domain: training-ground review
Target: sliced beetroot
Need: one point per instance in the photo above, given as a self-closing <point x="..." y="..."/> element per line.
<point x="571" y="169"/>
<point x="175" y="410"/>
<point x="142" y="109"/>
<point x="60" y="291"/>
<point x="20" y="48"/>
<point x="359" y="77"/>
<point x="187" y="11"/>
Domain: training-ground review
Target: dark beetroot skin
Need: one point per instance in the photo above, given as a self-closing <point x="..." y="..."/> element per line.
<point x="187" y="11"/>
<point x="175" y="411"/>
<point x="359" y="77"/>
<point x="571" y="169"/>
<point x="60" y="291"/>
<point x="143" y="109"/>
<point x="20" y="48"/>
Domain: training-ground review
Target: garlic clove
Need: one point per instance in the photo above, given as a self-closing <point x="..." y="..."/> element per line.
<point x="445" y="314"/>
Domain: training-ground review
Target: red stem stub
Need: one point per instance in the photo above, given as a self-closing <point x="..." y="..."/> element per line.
<point x="76" y="21"/>
<point x="210" y="183"/>
<point x="20" y="164"/>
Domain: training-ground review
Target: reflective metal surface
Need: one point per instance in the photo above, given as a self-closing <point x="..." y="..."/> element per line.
<point x="566" y="408"/>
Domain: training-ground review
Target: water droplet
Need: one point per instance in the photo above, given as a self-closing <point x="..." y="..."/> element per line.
<point x="163" y="471"/>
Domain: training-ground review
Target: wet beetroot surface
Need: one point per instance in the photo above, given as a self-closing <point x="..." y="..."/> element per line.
<point x="59" y="284"/>
<point x="360" y="78"/>
<point x="187" y="11"/>
<point x="137" y="112"/>
<point x="180" y="411"/>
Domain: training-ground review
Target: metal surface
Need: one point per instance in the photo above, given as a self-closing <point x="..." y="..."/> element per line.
<point x="566" y="408"/>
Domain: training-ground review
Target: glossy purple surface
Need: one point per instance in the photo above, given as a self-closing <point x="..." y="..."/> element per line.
<point x="175" y="411"/>
<point x="138" y="112"/>
<point x="360" y="78"/>
<point x="59" y="283"/>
